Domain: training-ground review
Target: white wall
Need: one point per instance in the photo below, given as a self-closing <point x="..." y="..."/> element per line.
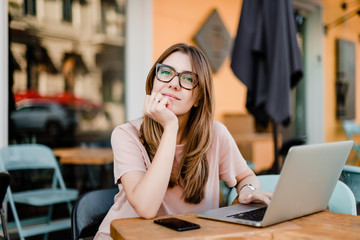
<point x="3" y="73"/>
<point x="314" y="76"/>
<point x="138" y="54"/>
<point x="313" y="69"/>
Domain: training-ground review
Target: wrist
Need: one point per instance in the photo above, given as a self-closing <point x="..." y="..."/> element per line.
<point x="172" y="126"/>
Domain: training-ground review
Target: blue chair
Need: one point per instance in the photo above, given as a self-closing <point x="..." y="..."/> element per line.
<point x="342" y="200"/>
<point x="351" y="177"/>
<point x="34" y="157"/>
<point x="89" y="211"/>
<point x="351" y="129"/>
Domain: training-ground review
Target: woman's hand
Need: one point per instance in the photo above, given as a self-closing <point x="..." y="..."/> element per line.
<point x="247" y="195"/>
<point x="146" y="190"/>
<point x="156" y="107"/>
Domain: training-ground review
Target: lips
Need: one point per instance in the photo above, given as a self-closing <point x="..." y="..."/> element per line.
<point x="171" y="96"/>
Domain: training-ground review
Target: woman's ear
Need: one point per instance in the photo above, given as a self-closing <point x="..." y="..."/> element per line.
<point x="196" y="104"/>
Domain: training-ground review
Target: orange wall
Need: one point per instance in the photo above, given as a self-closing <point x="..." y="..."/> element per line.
<point x="350" y="31"/>
<point x="178" y="21"/>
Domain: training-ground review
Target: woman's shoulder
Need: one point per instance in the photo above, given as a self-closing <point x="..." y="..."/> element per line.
<point x="220" y="131"/>
<point x="219" y="127"/>
<point x="130" y="128"/>
<point x="133" y="125"/>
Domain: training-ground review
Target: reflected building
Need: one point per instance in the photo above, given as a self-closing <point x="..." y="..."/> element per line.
<point x="71" y="51"/>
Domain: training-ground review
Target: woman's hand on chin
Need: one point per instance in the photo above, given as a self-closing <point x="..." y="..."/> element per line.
<point x="157" y="107"/>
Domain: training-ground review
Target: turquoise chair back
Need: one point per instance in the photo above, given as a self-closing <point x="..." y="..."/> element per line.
<point x="353" y="128"/>
<point x="351" y="176"/>
<point x="268" y="182"/>
<point x="30" y="157"/>
<point x="342" y="200"/>
<point x="350" y="127"/>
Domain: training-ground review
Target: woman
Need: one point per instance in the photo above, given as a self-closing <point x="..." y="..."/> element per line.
<point x="171" y="161"/>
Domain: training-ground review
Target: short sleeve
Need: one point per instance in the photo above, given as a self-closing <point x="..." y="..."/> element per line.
<point x="231" y="162"/>
<point x="128" y="152"/>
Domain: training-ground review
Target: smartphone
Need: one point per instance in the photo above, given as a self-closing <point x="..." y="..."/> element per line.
<point x="176" y="224"/>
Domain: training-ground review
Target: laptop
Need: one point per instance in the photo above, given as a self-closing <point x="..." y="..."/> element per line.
<point x="306" y="183"/>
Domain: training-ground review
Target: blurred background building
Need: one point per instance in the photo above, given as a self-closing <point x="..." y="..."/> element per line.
<point x="69" y="53"/>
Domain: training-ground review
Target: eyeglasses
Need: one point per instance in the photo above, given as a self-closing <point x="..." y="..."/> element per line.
<point x="165" y="73"/>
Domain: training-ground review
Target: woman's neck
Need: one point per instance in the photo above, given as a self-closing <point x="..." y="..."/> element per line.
<point x="181" y="138"/>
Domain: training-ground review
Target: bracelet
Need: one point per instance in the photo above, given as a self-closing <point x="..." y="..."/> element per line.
<point x="248" y="186"/>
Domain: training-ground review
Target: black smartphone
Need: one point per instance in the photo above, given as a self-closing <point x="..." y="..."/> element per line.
<point x="176" y="224"/>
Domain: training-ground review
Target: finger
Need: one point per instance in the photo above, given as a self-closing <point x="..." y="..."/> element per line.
<point x="268" y="194"/>
<point x="158" y="97"/>
<point x="258" y="196"/>
<point x="153" y="93"/>
<point x="164" y="100"/>
<point x="263" y="197"/>
<point x="248" y="198"/>
<point x="146" y="103"/>
<point x="157" y="103"/>
<point x="152" y="96"/>
<point x="147" y="98"/>
<point x="267" y="200"/>
<point x="155" y="97"/>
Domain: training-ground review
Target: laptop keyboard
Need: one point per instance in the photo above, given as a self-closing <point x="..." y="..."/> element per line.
<point x="253" y="215"/>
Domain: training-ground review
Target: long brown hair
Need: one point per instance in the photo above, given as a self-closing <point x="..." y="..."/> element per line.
<point x="194" y="168"/>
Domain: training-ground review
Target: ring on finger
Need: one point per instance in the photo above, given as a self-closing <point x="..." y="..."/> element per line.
<point x="156" y="100"/>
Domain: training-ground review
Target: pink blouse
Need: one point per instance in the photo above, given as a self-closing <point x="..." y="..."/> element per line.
<point x="224" y="159"/>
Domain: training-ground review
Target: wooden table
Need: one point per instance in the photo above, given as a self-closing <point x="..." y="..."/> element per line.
<point x="84" y="156"/>
<point x="322" y="225"/>
<point x="87" y="157"/>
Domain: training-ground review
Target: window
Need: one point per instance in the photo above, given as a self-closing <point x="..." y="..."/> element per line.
<point x="30" y="7"/>
<point x="56" y="64"/>
<point x="67" y="10"/>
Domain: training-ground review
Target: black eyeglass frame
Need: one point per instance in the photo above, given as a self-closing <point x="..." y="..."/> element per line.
<point x="158" y="65"/>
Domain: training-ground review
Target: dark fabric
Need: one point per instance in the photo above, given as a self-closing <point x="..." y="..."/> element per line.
<point x="89" y="211"/>
<point x="266" y="58"/>
<point x="4" y="184"/>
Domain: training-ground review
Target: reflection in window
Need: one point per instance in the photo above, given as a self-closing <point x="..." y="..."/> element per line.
<point x="67" y="10"/>
<point x="73" y="62"/>
<point x="111" y="17"/>
<point x="30" y="7"/>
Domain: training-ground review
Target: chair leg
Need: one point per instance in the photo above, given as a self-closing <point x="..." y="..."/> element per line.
<point x="51" y="209"/>
<point x="16" y="218"/>
<point x="4" y="226"/>
<point x="69" y="207"/>
<point x="46" y="236"/>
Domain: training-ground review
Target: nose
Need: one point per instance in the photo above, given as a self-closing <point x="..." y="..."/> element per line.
<point x="175" y="83"/>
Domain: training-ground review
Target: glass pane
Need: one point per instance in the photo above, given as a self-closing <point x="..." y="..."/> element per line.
<point x="67" y="63"/>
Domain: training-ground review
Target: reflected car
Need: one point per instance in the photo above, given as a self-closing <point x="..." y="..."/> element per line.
<point x="39" y="116"/>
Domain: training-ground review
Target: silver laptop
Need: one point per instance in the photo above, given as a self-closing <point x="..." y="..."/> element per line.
<point x="307" y="181"/>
